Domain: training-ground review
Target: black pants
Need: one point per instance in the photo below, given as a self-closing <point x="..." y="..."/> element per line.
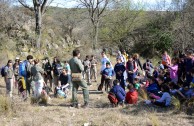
<point x="162" y="104"/>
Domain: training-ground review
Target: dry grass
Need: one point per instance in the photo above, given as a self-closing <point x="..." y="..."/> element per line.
<point x="100" y="113"/>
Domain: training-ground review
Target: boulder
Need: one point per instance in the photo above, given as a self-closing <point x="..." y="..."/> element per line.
<point x="51" y="33"/>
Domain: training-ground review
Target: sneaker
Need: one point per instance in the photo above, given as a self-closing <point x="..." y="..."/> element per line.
<point x="74" y="105"/>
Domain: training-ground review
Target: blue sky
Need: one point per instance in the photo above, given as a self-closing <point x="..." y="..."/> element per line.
<point x="146" y="3"/>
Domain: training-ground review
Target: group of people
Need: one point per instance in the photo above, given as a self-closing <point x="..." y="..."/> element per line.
<point x="31" y="76"/>
<point x="170" y="77"/>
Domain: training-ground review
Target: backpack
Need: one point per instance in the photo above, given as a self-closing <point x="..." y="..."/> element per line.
<point x="58" y="69"/>
<point x="112" y="98"/>
<point x="22" y="69"/>
<point x="3" y="71"/>
<point x="21" y="84"/>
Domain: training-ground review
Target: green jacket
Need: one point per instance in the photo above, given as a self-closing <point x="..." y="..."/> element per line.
<point x="76" y="65"/>
<point x="37" y="72"/>
<point x="9" y="72"/>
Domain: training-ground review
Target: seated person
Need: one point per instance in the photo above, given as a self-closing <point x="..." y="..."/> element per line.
<point x="64" y="78"/>
<point x="119" y="92"/>
<point x="152" y="87"/>
<point x="137" y="85"/>
<point x="61" y="91"/>
<point x="175" y="91"/>
<point x="165" y="100"/>
<point x="132" y="95"/>
<point x="156" y="72"/>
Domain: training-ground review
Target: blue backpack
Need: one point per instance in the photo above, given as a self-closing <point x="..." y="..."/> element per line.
<point x="22" y="69"/>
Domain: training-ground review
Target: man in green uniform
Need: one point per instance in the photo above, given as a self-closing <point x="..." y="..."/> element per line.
<point x="76" y="68"/>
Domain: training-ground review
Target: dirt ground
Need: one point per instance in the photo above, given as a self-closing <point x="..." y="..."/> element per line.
<point x="59" y="113"/>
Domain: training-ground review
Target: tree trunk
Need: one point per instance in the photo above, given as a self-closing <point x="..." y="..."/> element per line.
<point x="95" y="39"/>
<point x="38" y="17"/>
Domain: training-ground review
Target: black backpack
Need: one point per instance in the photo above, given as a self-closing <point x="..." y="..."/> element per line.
<point x="3" y="71"/>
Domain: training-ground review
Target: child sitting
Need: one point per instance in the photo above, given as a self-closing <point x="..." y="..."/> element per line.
<point x="165" y="100"/>
<point x="137" y="84"/>
<point x="119" y="93"/>
<point x="132" y="95"/>
<point x="61" y="91"/>
<point x="155" y="72"/>
<point x="152" y="87"/>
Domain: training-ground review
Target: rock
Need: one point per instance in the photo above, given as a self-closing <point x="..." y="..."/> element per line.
<point x="24" y="54"/>
<point x="86" y="124"/>
<point x="55" y="46"/>
<point x="51" y="33"/>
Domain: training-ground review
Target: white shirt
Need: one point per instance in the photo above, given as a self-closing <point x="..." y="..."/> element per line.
<point x="104" y="60"/>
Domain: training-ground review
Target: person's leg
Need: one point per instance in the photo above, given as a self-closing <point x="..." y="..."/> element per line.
<point x="91" y="73"/>
<point x="28" y="86"/>
<point x="84" y="87"/>
<point x="122" y="82"/>
<point x="9" y="87"/>
<point x="162" y="104"/>
<point x="95" y="73"/>
<point x="74" y="93"/>
<point x="102" y="83"/>
<point x="55" y="80"/>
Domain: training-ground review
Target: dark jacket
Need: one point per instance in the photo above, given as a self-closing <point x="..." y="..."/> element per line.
<point x="119" y="67"/>
<point x="152" y="88"/>
<point x="119" y="92"/>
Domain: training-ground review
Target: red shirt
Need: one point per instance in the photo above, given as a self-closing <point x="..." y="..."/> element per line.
<point x="132" y="97"/>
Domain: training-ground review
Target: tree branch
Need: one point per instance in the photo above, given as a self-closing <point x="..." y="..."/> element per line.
<point x="25" y="5"/>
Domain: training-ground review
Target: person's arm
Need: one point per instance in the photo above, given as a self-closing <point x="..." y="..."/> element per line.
<point x="140" y="65"/>
<point x="174" y="68"/>
<point x="135" y="67"/>
<point x="80" y="65"/>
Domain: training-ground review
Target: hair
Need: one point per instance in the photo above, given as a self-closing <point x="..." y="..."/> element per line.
<point x="135" y="55"/>
<point x="116" y="81"/>
<point x="87" y="56"/>
<point x="36" y="61"/>
<point x="176" y="60"/>
<point x="9" y="61"/>
<point x="103" y="52"/>
<point x="152" y="78"/>
<point x="161" y="77"/>
<point x="107" y="63"/>
<point x="130" y="86"/>
<point x="165" y="88"/>
<point x="130" y="56"/>
<point x="29" y="57"/>
<point x="173" y="85"/>
<point x="92" y="56"/>
<point x="76" y="52"/>
<point x="136" y="79"/>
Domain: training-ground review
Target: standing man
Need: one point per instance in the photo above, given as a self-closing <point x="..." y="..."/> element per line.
<point x="87" y="66"/>
<point x="77" y="68"/>
<point x="9" y="78"/>
<point x="47" y="72"/>
<point x="93" y="70"/>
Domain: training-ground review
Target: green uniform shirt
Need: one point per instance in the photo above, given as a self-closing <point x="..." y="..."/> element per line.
<point x="76" y="65"/>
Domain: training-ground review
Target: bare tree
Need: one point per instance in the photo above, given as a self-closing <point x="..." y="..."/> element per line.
<point x="95" y="9"/>
<point x="39" y="7"/>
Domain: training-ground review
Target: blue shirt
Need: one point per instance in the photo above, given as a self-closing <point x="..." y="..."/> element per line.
<point x="108" y="72"/>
